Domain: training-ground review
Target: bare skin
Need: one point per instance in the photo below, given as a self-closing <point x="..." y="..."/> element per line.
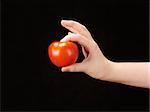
<point x="98" y="66"/>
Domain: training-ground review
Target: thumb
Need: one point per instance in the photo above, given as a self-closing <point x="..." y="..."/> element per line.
<point x="77" y="67"/>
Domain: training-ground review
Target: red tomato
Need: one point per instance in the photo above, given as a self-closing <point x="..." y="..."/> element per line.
<point x="63" y="53"/>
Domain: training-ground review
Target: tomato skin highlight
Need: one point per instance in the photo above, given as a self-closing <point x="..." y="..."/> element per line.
<point x="63" y="54"/>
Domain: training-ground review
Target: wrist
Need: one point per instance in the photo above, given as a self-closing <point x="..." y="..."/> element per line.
<point x="109" y="66"/>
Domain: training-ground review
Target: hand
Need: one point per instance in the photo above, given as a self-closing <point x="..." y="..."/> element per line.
<point x="98" y="66"/>
<point x="95" y="64"/>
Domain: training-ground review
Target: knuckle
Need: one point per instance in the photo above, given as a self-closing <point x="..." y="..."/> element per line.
<point x="79" y="37"/>
<point x="69" y="70"/>
<point x="94" y="45"/>
<point x="74" y="68"/>
<point x="82" y="40"/>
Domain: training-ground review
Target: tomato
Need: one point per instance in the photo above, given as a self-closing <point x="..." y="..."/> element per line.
<point x="63" y="53"/>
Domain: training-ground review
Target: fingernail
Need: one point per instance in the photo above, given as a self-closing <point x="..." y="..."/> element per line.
<point x="69" y="33"/>
<point x="63" y="40"/>
<point x="63" y="20"/>
<point x="62" y="70"/>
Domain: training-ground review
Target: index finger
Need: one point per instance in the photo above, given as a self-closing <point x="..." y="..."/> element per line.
<point x="76" y="27"/>
<point x="79" y="39"/>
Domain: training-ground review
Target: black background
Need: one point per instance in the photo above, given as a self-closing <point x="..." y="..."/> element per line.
<point x="31" y="82"/>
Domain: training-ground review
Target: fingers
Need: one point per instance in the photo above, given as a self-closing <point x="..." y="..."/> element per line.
<point x="79" y="39"/>
<point x="69" y="33"/>
<point x="65" y="38"/>
<point x="77" y="67"/>
<point x="75" y="27"/>
<point x="84" y="52"/>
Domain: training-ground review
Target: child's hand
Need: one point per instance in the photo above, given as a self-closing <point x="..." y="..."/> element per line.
<point x="95" y="64"/>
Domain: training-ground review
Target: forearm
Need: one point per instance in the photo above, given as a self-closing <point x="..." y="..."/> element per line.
<point x="130" y="73"/>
